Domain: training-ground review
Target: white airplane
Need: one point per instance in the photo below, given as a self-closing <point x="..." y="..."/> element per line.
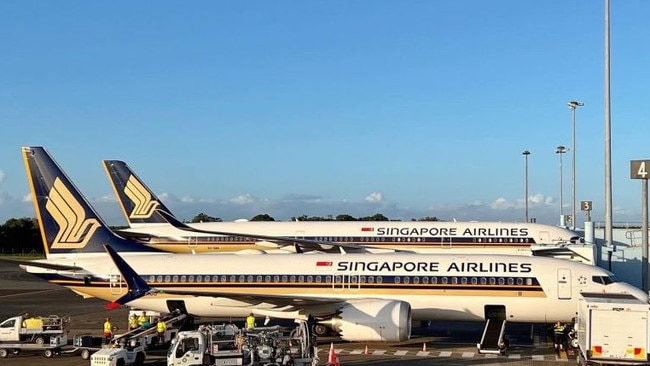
<point x="143" y="211"/>
<point x="364" y="297"/>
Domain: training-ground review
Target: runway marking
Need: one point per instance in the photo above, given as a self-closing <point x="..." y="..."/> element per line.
<point x="448" y="354"/>
<point x="29" y="293"/>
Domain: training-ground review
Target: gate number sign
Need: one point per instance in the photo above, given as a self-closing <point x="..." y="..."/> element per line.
<point x="640" y="169"/>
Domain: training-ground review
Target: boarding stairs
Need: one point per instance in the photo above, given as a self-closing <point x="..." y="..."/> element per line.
<point x="492" y="339"/>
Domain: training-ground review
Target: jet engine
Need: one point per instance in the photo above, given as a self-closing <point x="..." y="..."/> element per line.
<point x="373" y="320"/>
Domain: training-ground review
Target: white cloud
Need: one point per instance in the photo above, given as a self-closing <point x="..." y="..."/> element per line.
<point x="243" y="199"/>
<point x="501" y="204"/>
<point x="106" y="198"/>
<point x="2" y="176"/>
<point x="27" y="198"/>
<point x="375" y="197"/>
<point x="186" y="199"/>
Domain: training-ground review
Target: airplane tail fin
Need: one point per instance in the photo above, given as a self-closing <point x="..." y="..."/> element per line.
<point x="138" y="202"/>
<point x="68" y="222"/>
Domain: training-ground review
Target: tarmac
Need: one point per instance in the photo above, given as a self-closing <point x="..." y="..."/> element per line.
<point x="446" y="344"/>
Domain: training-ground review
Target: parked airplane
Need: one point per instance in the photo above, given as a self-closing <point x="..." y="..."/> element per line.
<point x="141" y="208"/>
<point x="363" y="297"/>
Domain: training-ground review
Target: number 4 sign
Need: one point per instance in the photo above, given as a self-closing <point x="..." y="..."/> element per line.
<point x="639" y="169"/>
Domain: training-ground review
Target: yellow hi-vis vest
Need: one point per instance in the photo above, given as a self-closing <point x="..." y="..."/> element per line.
<point x="250" y="322"/>
<point x="107" y="327"/>
<point x="133" y="322"/>
<point x="161" y="326"/>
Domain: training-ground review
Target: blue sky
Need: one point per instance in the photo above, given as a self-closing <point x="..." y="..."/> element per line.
<point x="410" y="109"/>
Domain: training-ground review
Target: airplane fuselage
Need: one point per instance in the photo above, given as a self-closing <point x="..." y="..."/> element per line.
<point x="446" y="287"/>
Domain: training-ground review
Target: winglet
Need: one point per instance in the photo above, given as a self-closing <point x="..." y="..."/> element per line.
<point x="137" y="287"/>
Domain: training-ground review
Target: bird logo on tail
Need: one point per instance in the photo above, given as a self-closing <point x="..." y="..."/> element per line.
<point x="75" y="230"/>
<point x="143" y="204"/>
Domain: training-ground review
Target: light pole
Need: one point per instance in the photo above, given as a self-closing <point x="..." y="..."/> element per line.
<point x="572" y="106"/>
<point x="526" y="153"/>
<point x="560" y="150"/>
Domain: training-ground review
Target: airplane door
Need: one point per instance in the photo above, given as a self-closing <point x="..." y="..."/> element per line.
<point x="563" y="283"/>
<point x="192" y="242"/>
<point x="115" y="282"/>
<point x="350" y="282"/>
<point x="544" y="237"/>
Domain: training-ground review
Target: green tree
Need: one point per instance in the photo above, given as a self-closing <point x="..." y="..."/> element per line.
<point x="345" y="217"/>
<point x="20" y="236"/>
<point x="262" y="217"/>
<point x="205" y="218"/>
<point x="427" y="218"/>
<point x="375" y="217"/>
<point x="309" y="218"/>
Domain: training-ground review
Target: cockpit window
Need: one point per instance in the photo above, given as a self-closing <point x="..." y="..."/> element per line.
<point x="605" y="280"/>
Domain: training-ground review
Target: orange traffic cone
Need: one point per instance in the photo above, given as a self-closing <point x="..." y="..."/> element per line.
<point x="365" y="352"/>
<point x="332" y="357"/>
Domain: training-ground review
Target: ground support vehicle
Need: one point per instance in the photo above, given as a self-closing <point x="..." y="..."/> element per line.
<point x="120" y="354"/>
<point x="38" y="330"/>
<point x="612" y="329"/>
<point x="84" y="345"/>
<point x="54" y="347"/>
<point x="226" y="344"/>
<point x="150" y="335"/>
<point x="129" y="348"/>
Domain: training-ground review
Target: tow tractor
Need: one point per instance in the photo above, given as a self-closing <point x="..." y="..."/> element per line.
<point x="226" y="344"/>
<point x="41" y="334"/>
<point x="130" y="348"/>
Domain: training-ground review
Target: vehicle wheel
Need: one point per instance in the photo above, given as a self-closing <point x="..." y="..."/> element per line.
<point x="3" y="353"/>
<point x="574" y="342"/>
<point x="48" y="353"/>
<point x="139" y="359"/>
<point x="39" y="340"/>
<point x="321" y="330"/>
<point x="85" y="354"/>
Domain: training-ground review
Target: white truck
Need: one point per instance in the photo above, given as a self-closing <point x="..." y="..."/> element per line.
<point x="36" y="330"/>
<point x="33" y="334"/>
<point x="131" y="352"/>
<point x="226" y="344"/>
<point x="612" y="329"/>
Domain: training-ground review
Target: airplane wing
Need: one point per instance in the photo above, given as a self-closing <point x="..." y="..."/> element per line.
<point x="313" y="245"/>
<point x="53" y="266"/>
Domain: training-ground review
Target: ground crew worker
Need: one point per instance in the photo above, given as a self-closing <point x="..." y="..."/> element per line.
<point x="161" y="327"/>
<point x="558" y="336"/>
<point x="108" y="331"/>
<point x="133" y="322"/>
<point x="142" y="318"/>
<point x="250" y="321"/>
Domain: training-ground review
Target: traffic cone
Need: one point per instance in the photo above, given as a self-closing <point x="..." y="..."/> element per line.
<point x="365" y="352"/>
<point x="424" y="347"/>
<point x="331" y="357"/>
